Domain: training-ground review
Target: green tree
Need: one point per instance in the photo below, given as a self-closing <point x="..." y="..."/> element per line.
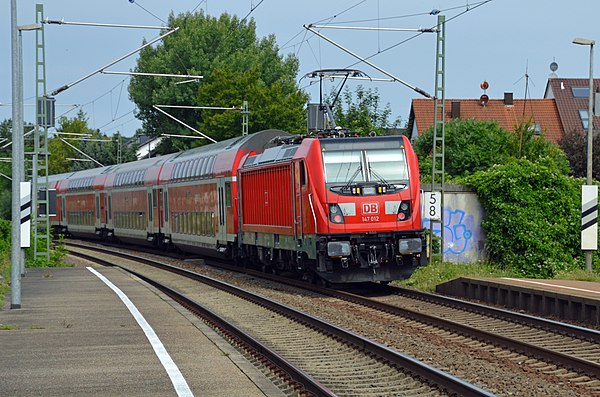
<point x="362" y="112"/>
<point x="98" y="146"/>
<point x="474" y="145"/>
<point x="236" y="66"/>
<point x="574" y="144"/>
<point x="6" y="165"/>
<point x="60" y="152"/>
<point x="105" y="150"/>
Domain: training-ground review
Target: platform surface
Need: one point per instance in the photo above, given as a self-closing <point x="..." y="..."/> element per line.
<point x="74" y="336"/>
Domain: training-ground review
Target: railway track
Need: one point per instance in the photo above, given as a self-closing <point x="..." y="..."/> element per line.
<point x="548" y="346"/>
<point x="317" y="357"/>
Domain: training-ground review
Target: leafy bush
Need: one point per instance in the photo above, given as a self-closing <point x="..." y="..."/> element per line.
<point x="532" y="216"/>
<point x="57" y="253"/>
<point x="5" y="230"/>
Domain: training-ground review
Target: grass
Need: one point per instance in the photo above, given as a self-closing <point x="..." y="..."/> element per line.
<point x="8" y="327"/>
<point x="426" y="278"/>
<point x="4" y="276"/>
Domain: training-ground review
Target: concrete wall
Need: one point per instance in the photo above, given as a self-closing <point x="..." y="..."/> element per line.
<point x="464" y="238"/>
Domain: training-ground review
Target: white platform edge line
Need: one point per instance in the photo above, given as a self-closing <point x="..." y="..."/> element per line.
<point x="550" y="285"/>
<point x="179" y="382"/>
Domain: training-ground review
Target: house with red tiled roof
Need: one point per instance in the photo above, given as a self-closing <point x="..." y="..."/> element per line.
<point x="571" y="97"/>
<point x="507" y="112"/>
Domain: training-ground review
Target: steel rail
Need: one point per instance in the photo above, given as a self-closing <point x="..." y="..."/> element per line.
<point x="297" y="375"/>
<point x="450" y="383"/>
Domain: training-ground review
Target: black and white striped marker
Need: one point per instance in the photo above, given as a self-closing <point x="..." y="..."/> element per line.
<point x="589" y="217"/>
<point x="25" y="214"/>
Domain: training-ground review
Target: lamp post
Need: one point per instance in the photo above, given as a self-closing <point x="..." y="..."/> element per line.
<point x="581" y="41"/>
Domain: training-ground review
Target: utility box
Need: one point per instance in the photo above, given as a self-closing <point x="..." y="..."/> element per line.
<point x="46" y="111"/>
<point x="315" y="117"/>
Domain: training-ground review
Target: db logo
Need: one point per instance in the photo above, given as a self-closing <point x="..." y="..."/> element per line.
<point x="370" y="208"/>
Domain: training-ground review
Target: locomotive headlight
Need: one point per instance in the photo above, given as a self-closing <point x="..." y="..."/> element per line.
<point x="410" y="246"/>
<point x="338" y="248"/>
<point x="403" y="211"/>
<point x="335" y="214"/>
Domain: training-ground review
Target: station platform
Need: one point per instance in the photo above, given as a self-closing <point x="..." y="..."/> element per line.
<point x="75" y="336"/>
<point x="570" y="300"/>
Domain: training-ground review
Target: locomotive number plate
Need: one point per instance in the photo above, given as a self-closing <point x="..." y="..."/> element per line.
<point x="372" y="218"/>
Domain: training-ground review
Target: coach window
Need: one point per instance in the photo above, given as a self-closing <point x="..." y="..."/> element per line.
<point x="155" y="198"/>
<point x="204" y="167"/>
<point x="186" y="170"/>
<point x="150" y="207"/>
<point x="198" y="168"/>
<point x="97" y="207"/>
<point x="208" y="169"/>
<point x="109" y="207"/>
<point x="202" y="222"/>
<point x="228" y="194"/>
<point x="166" y="205"/>
<point x="175" y="172"/>
<point x="180" y="171"/>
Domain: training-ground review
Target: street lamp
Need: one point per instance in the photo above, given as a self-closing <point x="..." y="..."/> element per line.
<point x="581" y="41"/>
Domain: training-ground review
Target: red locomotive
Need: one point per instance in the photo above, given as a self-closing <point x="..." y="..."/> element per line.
<point x="336" y="209"/>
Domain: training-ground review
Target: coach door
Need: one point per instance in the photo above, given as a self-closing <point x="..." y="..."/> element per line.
<point x="221" y="221"/>
<point x="299" y="182"/>
<point x="150" y="211"/>
<point x="97" y="222"/>
<point x="109" y="220"/>
<point x="157" y="201"/>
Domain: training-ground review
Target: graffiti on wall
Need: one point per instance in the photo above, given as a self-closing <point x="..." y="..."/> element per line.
<point x="458" y="232"/>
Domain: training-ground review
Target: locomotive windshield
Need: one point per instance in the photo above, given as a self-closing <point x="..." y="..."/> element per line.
<point x="359" y="166"/>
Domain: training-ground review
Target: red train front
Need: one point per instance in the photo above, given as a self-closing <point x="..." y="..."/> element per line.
<point x="340" y="209"/>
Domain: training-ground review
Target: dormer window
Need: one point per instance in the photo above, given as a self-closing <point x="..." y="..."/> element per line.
<point x="580" y="92"/>
<point x="583" y="114"/>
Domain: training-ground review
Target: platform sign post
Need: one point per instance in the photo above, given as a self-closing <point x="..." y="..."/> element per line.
<point x="589" y="221"/>
<point x="433" y="206"/>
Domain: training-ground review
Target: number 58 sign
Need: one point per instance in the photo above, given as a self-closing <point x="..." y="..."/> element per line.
<point x="432" y="206"/>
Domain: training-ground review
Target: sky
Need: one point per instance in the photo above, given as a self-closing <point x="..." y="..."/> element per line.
<point x="500" y="41"/>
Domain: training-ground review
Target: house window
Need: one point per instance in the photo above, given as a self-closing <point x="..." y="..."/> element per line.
<point x="580" y="92"/>
<point x="583" y="114"/>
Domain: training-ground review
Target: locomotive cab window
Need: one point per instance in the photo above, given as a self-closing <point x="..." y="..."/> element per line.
<point x="387" y="164"/>
<point x="367" y="171"/>
<point x="343" y="166"/>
